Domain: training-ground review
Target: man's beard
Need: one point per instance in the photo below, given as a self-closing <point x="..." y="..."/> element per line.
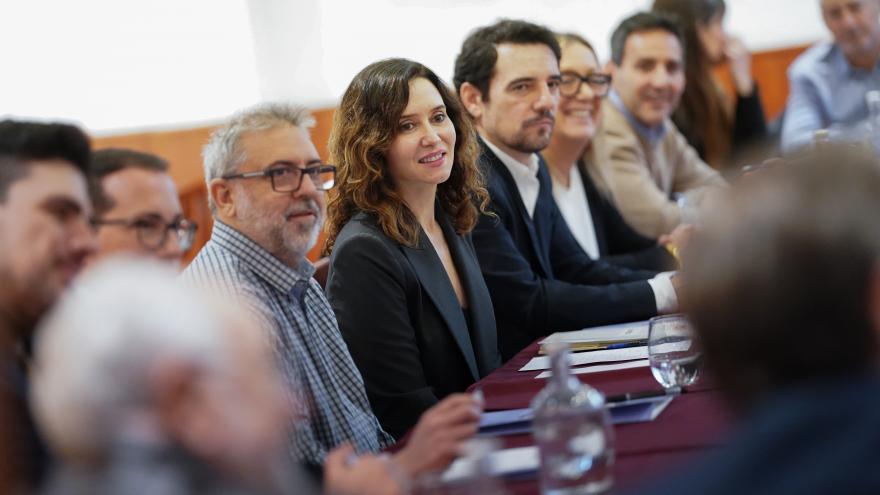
<point x="531" y="142"/>
<point x="287" y="241"/>
<point x="298" y="239"/>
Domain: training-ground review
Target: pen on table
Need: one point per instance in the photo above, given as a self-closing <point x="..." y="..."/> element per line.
<point x="588" y="347"/>
<point x="624" y="345"/>
<point x="643" y="395"/>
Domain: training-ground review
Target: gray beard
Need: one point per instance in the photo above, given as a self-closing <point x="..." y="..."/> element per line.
<point x="285" y="242"/>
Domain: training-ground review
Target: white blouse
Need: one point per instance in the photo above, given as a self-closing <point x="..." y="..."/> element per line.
<point x="575" y="208"/>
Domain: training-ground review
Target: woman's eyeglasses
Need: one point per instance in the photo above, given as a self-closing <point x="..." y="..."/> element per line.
<point x="570" y="84"/>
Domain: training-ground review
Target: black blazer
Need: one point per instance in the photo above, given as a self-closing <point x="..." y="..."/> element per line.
<point x="618" y="242"/>
<point x="402" y="322"/>
<point x="540" y="279"/>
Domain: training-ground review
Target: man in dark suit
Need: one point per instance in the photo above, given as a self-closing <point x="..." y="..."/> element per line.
<point x="541" y="281"/>
<point x="799" y="248"/>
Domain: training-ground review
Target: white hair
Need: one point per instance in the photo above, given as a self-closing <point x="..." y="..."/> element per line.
<point x="223" y="155"/>
<point x="96" y="348"/>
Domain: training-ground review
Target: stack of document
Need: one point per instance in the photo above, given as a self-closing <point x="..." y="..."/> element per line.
<point x="593" y="357"/>
<point x="597" y="338"/>
<point x="514" y="421"/>
<point x="608" y="348"/>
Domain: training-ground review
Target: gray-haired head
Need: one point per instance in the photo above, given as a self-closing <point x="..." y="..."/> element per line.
<point x="95" y="351"/>
<point x="222" y="154"/>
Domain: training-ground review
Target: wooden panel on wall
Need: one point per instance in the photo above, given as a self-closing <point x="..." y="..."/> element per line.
<point x="195" y="207"/>
<point x="769" y="72"/>
<point x="769" y="69"/>
<point x="182" y="149"/>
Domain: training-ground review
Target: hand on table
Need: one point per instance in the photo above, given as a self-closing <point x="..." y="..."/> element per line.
<point x="347" y="474"/>
<point x="435" y="440"/>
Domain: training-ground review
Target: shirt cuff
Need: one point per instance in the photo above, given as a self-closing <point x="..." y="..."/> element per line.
<point x="664" y="292"/>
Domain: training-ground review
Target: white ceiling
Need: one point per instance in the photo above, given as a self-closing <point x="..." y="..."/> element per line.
<point x="123" y="65"/>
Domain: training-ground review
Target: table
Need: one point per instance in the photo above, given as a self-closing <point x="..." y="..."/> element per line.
<point x="693" y="422"/>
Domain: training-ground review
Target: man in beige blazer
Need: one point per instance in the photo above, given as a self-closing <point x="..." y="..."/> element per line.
<point x="653" y="173"/>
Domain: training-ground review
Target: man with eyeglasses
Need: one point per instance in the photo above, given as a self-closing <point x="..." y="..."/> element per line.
<point x="266" y="188"/>
<point x="655" y="176"/>
<point x="541" y="281"/>
<point x="137" y="209"/>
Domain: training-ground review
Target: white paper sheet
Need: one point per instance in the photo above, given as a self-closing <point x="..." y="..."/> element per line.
<point x="591" y="357"/>
<point x="637" y="330"/>
<point x="504" y="462"/>
<point x="608" y="355"/>
<point x="642" y="363"/>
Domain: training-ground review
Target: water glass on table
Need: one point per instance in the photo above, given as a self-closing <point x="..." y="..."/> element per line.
<point x="673" y="351"/>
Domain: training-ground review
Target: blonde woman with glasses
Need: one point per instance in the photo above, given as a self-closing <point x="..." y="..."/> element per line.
<point x="578" y="185"/>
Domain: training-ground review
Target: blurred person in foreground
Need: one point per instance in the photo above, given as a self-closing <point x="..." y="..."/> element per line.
<point x="137" y="208"/>
<point x="716" y="125"/>
<point x="45" y="238"/>
<point x="828" y="82"/>
<point x="783" y="289"/>
<point x="154" y="387"/>
<point x="579" y="187"/>
<point x="266" y="187"/>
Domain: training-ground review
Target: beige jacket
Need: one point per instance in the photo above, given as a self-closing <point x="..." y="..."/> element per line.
<point x="642" y="178"/>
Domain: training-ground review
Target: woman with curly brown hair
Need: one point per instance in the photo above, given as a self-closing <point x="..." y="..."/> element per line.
<point x="404" y="279"/>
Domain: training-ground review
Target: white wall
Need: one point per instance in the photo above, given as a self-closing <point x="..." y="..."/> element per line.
<point x="113" y="64"/>
<point x="124" y="64"/>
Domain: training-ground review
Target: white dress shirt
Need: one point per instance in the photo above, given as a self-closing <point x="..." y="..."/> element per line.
<point x="524" y="174"/>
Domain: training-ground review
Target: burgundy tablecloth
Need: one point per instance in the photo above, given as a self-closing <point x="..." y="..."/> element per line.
<point x="693" y="422"/>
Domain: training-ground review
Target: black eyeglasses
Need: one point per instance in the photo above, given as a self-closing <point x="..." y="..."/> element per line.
<point x="570" y="84"/>
<point x="287" y="177"/>
<point x="152" y="230"/>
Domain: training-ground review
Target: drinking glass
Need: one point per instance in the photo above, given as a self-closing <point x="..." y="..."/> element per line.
<point x="673" y="351"/>
<point x="690" y="212"/>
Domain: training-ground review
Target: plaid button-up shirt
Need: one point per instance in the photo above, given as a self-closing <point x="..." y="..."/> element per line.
<point x="324" y="382"/>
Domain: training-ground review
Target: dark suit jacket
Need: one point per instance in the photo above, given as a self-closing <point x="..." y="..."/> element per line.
<point x="619" y="243"/>
<point x="402" y="322"/>
<point x="540" y="279"/>
<point x="819" y="438"/>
